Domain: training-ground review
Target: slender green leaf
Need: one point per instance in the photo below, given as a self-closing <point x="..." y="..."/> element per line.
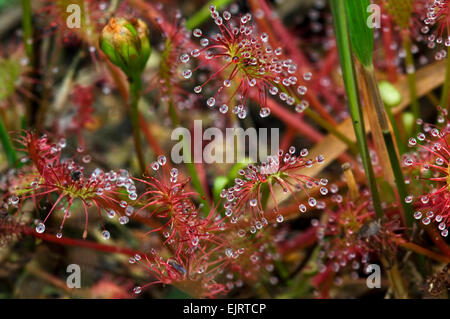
<point x="352" y="90"/>
<point x="27" y="26"/>
<point x="8" y="147"/>
<point x="361" y="34"/>
<point x="399" y="178"/>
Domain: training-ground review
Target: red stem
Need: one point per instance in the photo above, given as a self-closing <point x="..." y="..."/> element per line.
<point x="438" y="241"/>
<point x="151" y="140"/>
<point x="287" y="138"/>
<point x="82" y="243"/>
<point x="389" y="53"/>
<point x="293" y="121"/>
<point x="303" y="240"/>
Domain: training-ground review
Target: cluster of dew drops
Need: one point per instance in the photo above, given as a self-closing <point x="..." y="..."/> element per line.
<point x="273" y="90"/>
<point x="121" y="179"/>
<point x="272" y="166"/>
<point x="439" y="161"/>
<point x="432" y="17"/>
<point x="342" y="256"/>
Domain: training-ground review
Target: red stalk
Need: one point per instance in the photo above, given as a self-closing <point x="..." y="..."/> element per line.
<point x="82" y="243"/>
<point x="302" y="240"/>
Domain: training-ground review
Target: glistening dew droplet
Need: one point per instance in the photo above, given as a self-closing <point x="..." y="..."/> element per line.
<point x="312" y="201"/>
<point x="137" y="290"/>
<point x="211" y="102"/>
<point x="302" y="208"/>
<point x="408" y="199"/>
<point x="223" y="108"/>
<point x="307" y="76"/>
<point x="106" y="234"/>
<point x="123" y="220"/>
<point x="264" y="112"/>
<point x="302" y="90"/>
<point x="40" y="228"/>
<point x="197" y="33"/>
<point x="187" y="74"/>
<point x="162" y="160"/>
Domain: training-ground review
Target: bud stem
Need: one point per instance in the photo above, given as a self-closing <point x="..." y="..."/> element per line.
<point x="135" y="95"/>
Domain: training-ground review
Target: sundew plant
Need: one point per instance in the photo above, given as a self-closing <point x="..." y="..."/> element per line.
<point x="225" y="149"/>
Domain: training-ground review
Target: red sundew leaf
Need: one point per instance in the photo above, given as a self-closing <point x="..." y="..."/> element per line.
<point x="65" y="179"/>
<point x="432" y="162"/>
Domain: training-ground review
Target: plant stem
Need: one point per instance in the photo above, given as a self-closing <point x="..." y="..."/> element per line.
<point x="135" y="95"/>
<point x="190" y="166"/>
<point x="173" y="114"/>
<point x="399" y="179"/>
<point x="151" y="140"/>
<point x="8" y="147"/>
<point x="445" y="101"/>
<point x="400" y="144"/>
<point x="372" y="109"/>
<point x="294" y="122"/>
<point x="82" y="243"/>
<point x="32" y="50"/>
<point x="197" y="184"/>
<point x="437" y="239"/>
<point x="389" y="142"/>
<point x="395" y="278"/>
<point x="332" y="130"/>
<point x="433" y="98"/>
<point x="27" y="27"/>
<point x="351" y="182"/>
<point x="422" y="251"/>
<point x="351" y="86"/>
<point x="329" y="127"/>
<point x="203" y="14"/>
<point x="411" y="74"/>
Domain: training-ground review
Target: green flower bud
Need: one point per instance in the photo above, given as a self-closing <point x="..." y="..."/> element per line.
<point x="389" y="93"/>
<point x="126" y="44"/>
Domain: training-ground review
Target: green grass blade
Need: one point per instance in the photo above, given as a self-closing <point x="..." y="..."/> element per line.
<point x="352" y="90"/>
<point x="361" y="35"/>
<point x="7" y="144"/>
